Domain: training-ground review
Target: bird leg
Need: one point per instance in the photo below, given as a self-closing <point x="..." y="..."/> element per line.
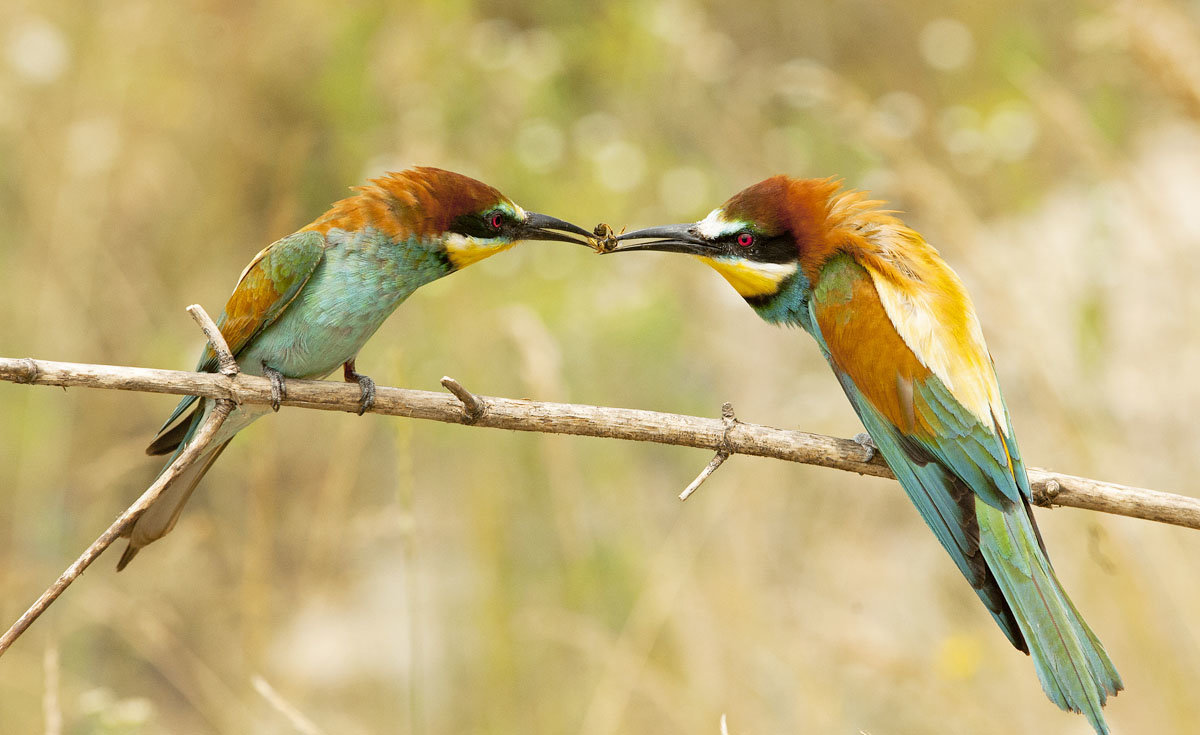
<point x="278" y="389"/>
<point x="864" y="440"/>
<point x="365" y="384"/>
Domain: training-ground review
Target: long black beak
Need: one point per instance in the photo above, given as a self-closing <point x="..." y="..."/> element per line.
<point x="544" y="227"/>
<point x="668" y="239"/>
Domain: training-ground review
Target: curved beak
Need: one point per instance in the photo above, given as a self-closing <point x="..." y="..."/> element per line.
<point x="544" y="227"/>
<point x="668" y="239"/>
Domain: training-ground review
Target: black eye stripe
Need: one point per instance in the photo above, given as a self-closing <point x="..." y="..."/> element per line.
<point x="479" y="224"/>
<point x="764" y="249"/>
<point x="777" y="249"/>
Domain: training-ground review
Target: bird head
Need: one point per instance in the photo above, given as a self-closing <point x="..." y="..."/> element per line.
<point x="480" y="221"/>
<point x="766" y="240"/>
<point x="467" y="218"/>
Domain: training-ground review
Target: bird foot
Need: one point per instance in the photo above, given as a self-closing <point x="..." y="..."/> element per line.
<point x="365" y="384"/>
<point x="864" y="440"/>
<point x="278" y="389"/>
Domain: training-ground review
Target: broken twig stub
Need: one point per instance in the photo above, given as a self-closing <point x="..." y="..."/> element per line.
<point x="724" y="451"/>
<point x="473" y="407"/>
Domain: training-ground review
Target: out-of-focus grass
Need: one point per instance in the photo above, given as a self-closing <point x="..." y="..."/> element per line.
<point x="408" y="577"/>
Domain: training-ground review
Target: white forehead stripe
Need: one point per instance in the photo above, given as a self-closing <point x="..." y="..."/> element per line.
<point x="715" y="225"/>
<point x="521" y="215"/>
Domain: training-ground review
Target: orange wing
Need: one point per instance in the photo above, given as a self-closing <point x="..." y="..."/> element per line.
<point x="265" y="289"/>
<point x="870" y="350"/>
<point x="865" y="346"/>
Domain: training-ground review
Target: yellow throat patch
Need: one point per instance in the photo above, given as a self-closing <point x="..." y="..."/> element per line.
<point x="749" y="278"/>
<point x="464" y="251"/>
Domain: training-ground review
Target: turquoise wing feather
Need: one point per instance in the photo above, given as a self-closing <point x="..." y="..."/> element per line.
<point x="985" y="459"/>
<point x="946" y="504"/>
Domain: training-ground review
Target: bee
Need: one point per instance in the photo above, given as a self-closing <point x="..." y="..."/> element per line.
<point x="605" y="240"/>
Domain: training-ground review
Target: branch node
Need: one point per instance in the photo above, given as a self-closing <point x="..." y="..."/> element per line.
<point x="1049" y="493"/>
<point x="31" y="373"/>
<point x="864" y="440"/>
<point x="227" y="364"/>
<point x="724" y="451"/>
<point x="473" y="407"/>
<point x="729" y="419"/>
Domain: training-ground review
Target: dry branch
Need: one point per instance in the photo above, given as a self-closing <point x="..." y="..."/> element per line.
<point x="195" y="448"/>
<point x="726" y="436"/>
<point x="724" y="452"/>
<point x="225" y="359"/>
<point x="1050" y="488"/>
<point x="186" y="458"/>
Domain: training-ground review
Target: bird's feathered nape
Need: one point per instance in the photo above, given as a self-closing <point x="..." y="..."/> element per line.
<point x="416" y="202"/>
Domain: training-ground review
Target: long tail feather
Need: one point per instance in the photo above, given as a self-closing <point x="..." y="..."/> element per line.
<point x="169" y="441"/>
<point x="159" y="518"/>
<point x="1075" y="671"/>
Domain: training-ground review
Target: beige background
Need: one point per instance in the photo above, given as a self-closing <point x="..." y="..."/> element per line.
<point x="394" y="576"/>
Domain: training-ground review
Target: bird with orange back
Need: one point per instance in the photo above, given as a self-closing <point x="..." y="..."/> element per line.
<point x="897" y="327"/>
<point x="309" y="302"/>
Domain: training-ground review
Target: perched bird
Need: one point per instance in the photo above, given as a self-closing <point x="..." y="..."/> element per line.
<point x="897" y="327"/>
<point x="308" y="303"/>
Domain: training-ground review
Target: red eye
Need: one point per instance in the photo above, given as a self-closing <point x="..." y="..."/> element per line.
<point x="745" y="239"/>
<point x="496" y="220"/>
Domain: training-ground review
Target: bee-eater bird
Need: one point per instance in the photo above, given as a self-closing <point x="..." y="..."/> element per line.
<point x="897" y="327"/>
<point x="308" y="303"/>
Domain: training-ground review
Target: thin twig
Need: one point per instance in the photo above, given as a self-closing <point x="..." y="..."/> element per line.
<point x="293" y="715"/>
<point x="472" y="407"/>
<point x="723" y="452"/>
<point x="194" y="449"/>
<point x="584" y="420"/>
<point x="228" y="365"/>
<point x="229" y="368"/>
<point x="717" y="460"/>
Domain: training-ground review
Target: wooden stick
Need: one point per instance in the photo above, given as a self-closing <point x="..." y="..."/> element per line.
<point x="724" y="452"/>
<point x="229" y="369"/>
<point x="584" y="420"/>
<point x="228" y="365"/>
<point x="197" y="446"/>
<point x="473" y="408"/>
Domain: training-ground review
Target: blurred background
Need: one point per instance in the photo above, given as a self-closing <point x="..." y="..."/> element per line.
<point x="384" y="575"/>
